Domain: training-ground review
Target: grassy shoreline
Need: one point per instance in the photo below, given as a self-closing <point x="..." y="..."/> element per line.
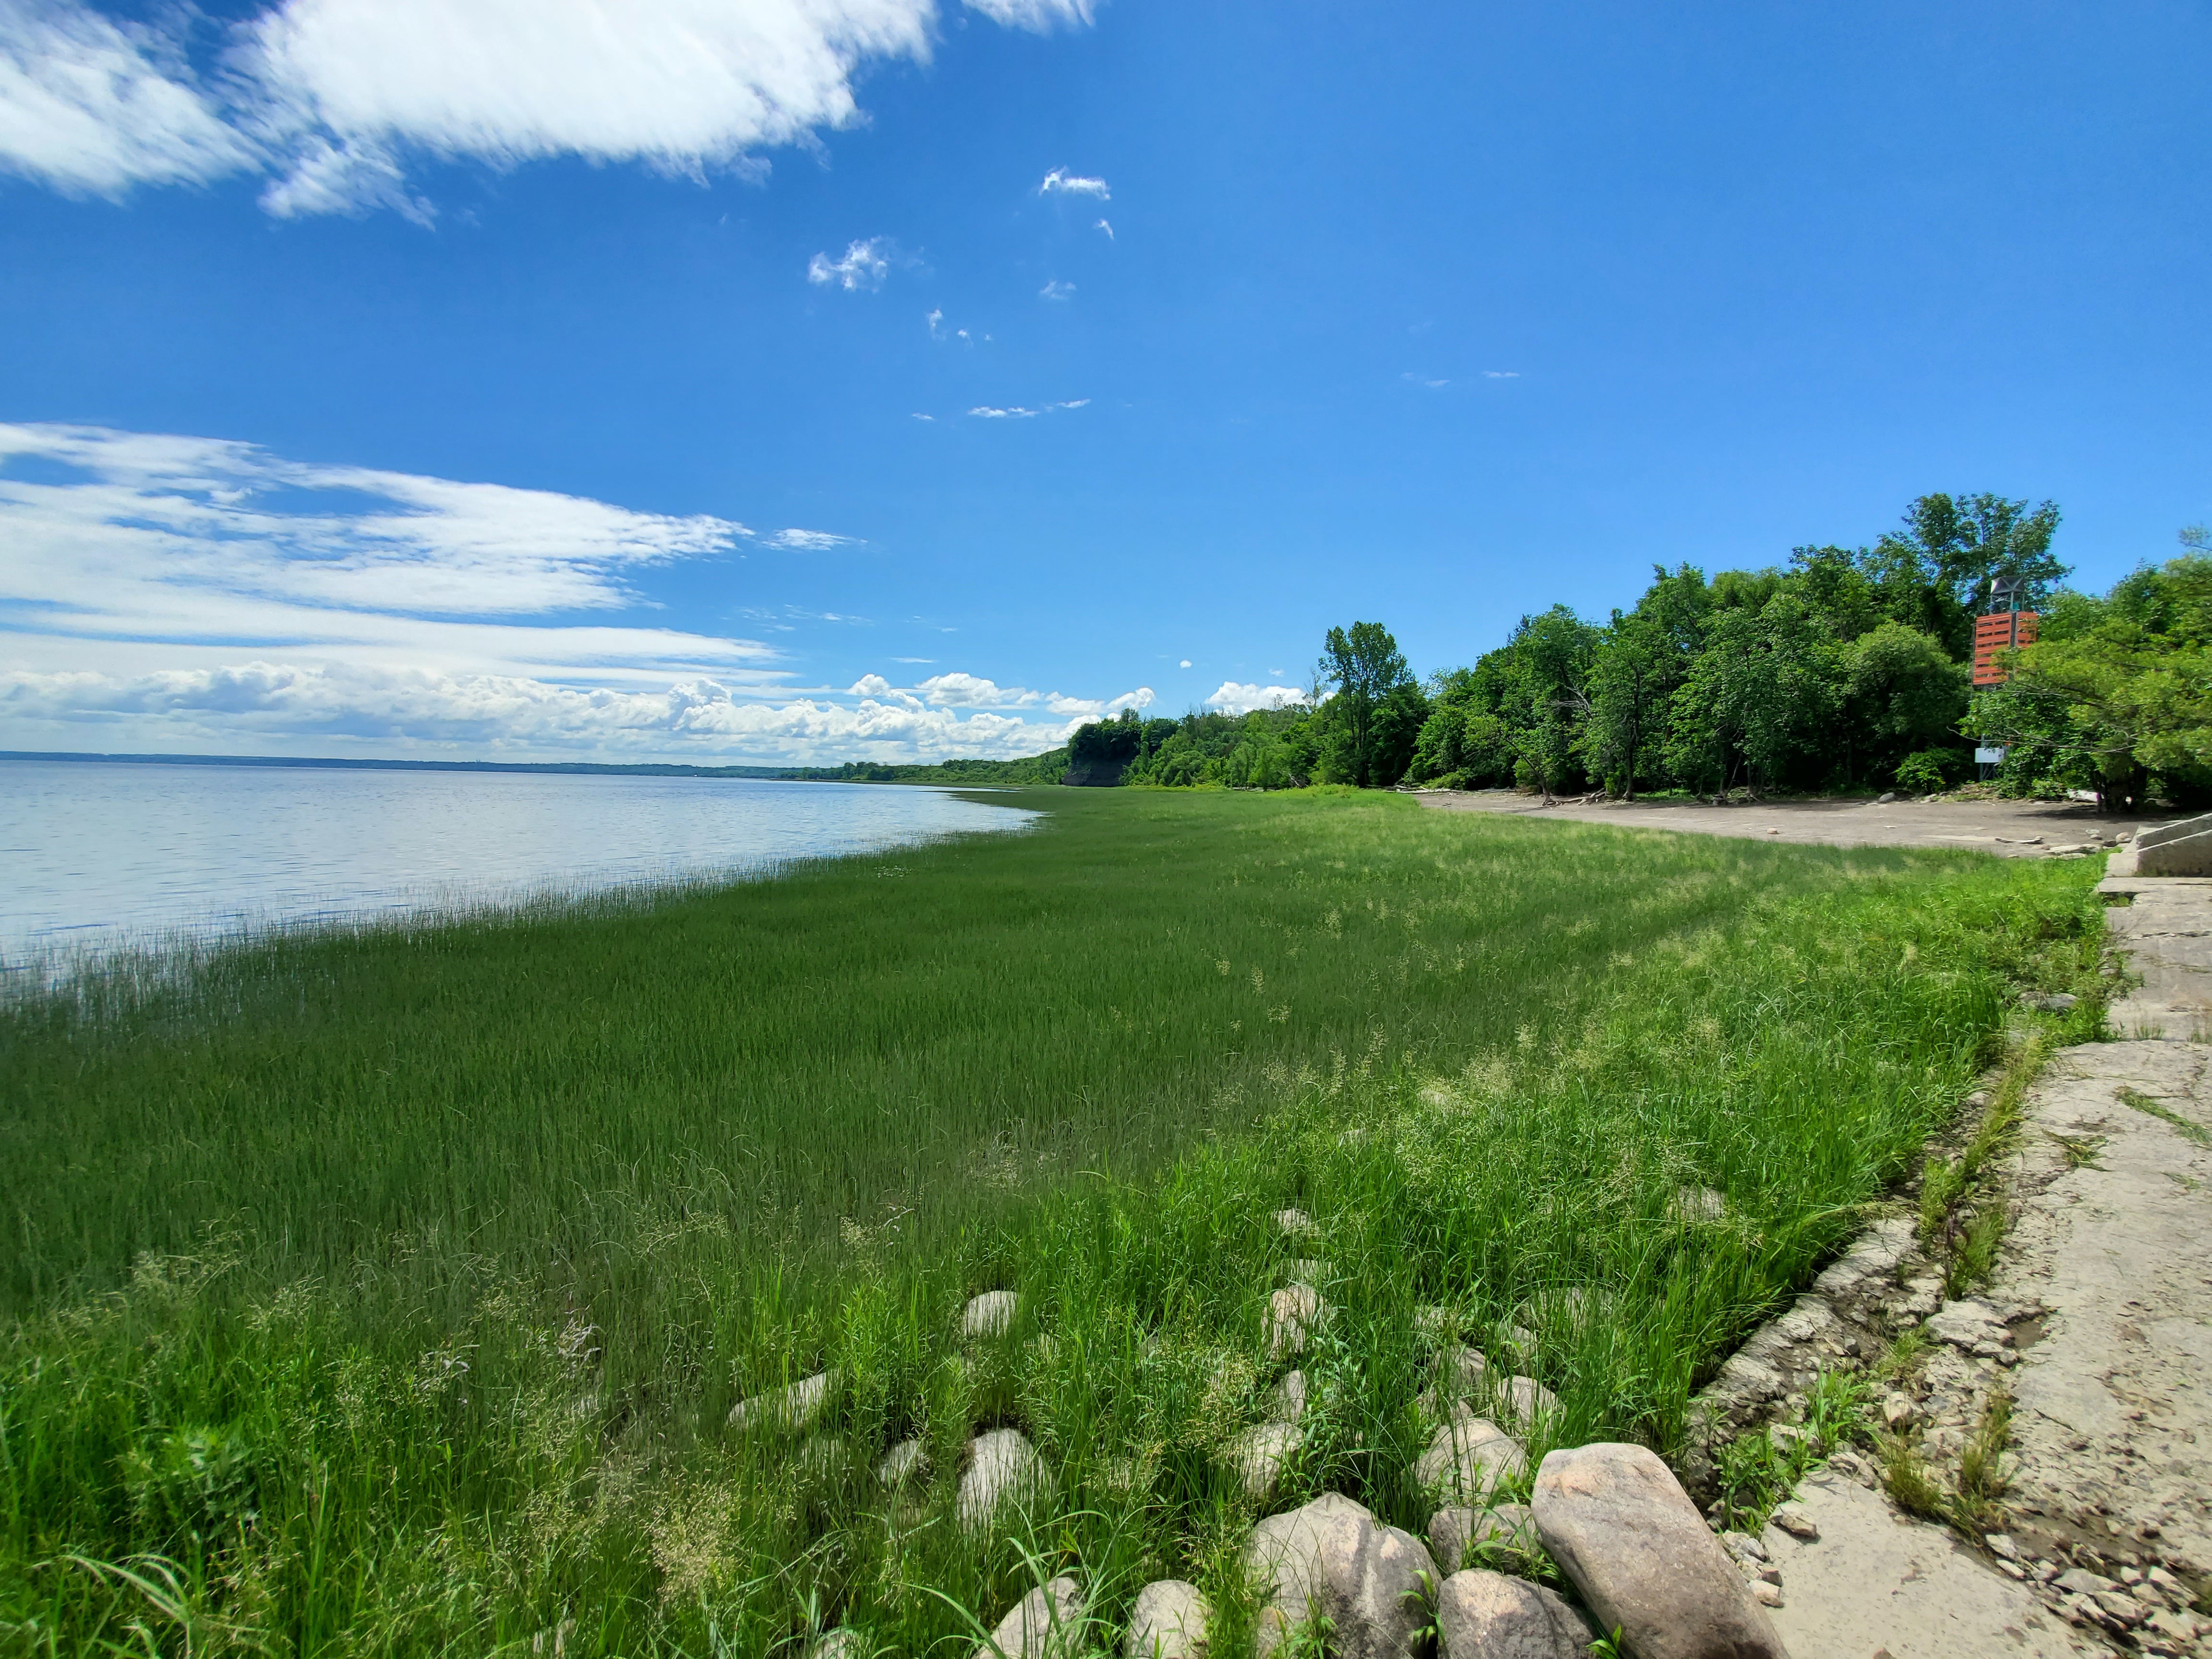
<point x="611" y="1172"/>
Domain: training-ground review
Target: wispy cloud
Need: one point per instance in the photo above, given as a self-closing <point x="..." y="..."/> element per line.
<point x="1061" y="182"/>
<point x="1108" y="229"/>
<point x="1037" y="16"/>
<point x="1501" y="374"/>
<point x="1021" y="412"/>
<point x="812" y="541"/>
<point x="334" y="99"/>
<point x="1411" y="379"/>
<point x="1056" y="290"/>
<point x="863" y="268"/>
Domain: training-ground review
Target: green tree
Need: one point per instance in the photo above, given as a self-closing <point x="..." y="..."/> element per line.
<point x="1903" y="694"/>
<point x="1758" y="696"/>
<point x="1952" y="548"/>
<point x="1365" y="666"/>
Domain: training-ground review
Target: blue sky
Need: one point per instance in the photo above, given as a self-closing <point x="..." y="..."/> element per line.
<point x="424" y="377"/>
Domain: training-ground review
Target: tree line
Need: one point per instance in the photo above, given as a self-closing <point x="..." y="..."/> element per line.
<point x="1842" y="669"/>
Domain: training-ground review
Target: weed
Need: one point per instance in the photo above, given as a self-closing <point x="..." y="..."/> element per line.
<point x="1903" y="1356"/>
<point x="2080" y="1151"/>
<point x="1906" y="1479"/>
<point x="2190" y="1130"/>
<point x="1974" y="1256"/>
<point x="1980" y="1480"/>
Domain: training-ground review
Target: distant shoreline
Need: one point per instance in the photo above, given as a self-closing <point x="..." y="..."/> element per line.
<point x="361" y="764"/>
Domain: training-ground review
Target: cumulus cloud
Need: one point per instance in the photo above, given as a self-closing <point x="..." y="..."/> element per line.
<point x="335" y="98"/>
<point x="862" y="269"/>
<point x="170" y="594"/>
<point x="1235" y="699"/>
<point x="1061" y="182"/>
<point x="270" y="706"/>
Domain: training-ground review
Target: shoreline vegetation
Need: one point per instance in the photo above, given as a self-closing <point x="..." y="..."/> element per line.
<point x="395" y="1289"/>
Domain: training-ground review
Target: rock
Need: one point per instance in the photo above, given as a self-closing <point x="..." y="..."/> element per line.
<point x="1627" y="1536"/>
<point x="1168" y="1622"/>
<point x="1767" y="1595"/>
<point x="2000" y="1546"/>
<point x="1433" y="1322"/>
<point x="1462" y="1369"/>
<point x="1522" y="1400"/>
<point x="2057" y="1002"/>
<point x="1698" y="1206"/>
<point x="1793" y="1520"/>
<point x="1286" y="1401"/>
<point x="1885" y="798"/>
<point x="1898" y="1410"/>
<point x="1487" y="1615"/>
<point x="1309" y="1270"/>
<point x="2120" y="1606"/>
<point x="1002" y="1467"/>
<point x="1468" y="1458"/>
<point x="1048" y="1622"/>
<point x="1454" y="1531"/>
<point x="1333" y="1559"/>
<point x="1967" y="1323"/>
<point x="842" y="1644"/>
<point x="989" y="1315"/>
<point x="1260" y="1455"/>
<point x="1293" y="1314"/>
<point x="1743" y="1546"/>
<point x="902" y="1464"/>
<point x="1296" y="1224"/>
<point x="795" y="1409"/>
<point x="2080" y="1580"/>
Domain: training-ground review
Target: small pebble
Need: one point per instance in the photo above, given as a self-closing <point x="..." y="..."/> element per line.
<point x="1793" y="1520"/>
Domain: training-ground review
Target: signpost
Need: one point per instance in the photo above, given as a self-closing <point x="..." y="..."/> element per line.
<point x="2000" y="630"/>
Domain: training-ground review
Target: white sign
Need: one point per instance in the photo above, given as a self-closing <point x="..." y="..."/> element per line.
<point x="1989" y="756"/>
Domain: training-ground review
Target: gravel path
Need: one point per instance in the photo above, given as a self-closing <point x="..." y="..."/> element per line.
<point x="2022" y="829"/>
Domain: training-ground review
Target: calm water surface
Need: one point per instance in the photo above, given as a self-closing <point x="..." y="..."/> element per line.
<point x="101" y="854"/>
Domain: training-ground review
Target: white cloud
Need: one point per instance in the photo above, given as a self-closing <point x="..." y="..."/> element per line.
<point x="1039" y="16"/>
<point x="1415" y="379"/>
<point x="272" y="707"/>
<point x="1501" y="374"/>
<point x="862" y="269"/>
<point x="1022" y="412"/>
<point x="90" y="106"/>
<point x="964" y="690"/>
<point x="936" y="320"/>
<point x="1185" y="663"/>
<point x="1056" y="290"/>
<point x="918" y="416"/>
<point x="1060" y="181"/>
<point x="337" y="98"/>
<point x="1235" y="699"/>
<point x="812" y="541"/>
<point x="1108" y="229"/>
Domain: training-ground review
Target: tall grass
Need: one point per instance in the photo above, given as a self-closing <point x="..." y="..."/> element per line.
<point x="392" y="1289"/>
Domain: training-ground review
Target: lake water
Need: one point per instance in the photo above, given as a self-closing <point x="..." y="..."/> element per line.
<point x="101" y="853"/>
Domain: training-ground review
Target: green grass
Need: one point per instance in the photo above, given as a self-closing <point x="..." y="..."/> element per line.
<point x="387" y="1292"/>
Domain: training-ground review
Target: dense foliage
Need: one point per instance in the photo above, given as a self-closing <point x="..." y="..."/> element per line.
<point x="2117" y="694"/>
<point x="1844" y="668"/>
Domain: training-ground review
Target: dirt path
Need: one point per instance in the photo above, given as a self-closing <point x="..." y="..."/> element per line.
<point x="2011" y="829"/>
<point x="2097" y="1325"/>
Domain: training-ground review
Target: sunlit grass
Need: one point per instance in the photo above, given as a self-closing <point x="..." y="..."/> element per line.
<point x="394" y="1288"/>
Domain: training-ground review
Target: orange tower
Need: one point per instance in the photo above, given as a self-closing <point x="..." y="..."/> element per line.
<point x="1999" y="631"/>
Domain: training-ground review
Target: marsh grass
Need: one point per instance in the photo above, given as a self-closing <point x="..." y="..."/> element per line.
<point x="390" y="1293"/>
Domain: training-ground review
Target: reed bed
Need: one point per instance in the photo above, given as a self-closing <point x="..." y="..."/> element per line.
<point x="388" y="1291"/>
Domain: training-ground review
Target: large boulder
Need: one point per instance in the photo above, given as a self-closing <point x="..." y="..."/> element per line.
<point x="1523" y="1403"/>
<point x="1261" y="1455"/>
<point x="796" y="1408"/>
<point x="1003" y="1468"/>
<point x="1487" y="1615"/>
<point x="1334" y="1560"/>
<point x="1629" y="1539"/>
<point x="1293" y="1313"/>
<point x="989" y="1315"/>
<point x="1046" y="1624"/>
<point x="1168" y="1622"/>
<point x="1468" y="1458"/>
